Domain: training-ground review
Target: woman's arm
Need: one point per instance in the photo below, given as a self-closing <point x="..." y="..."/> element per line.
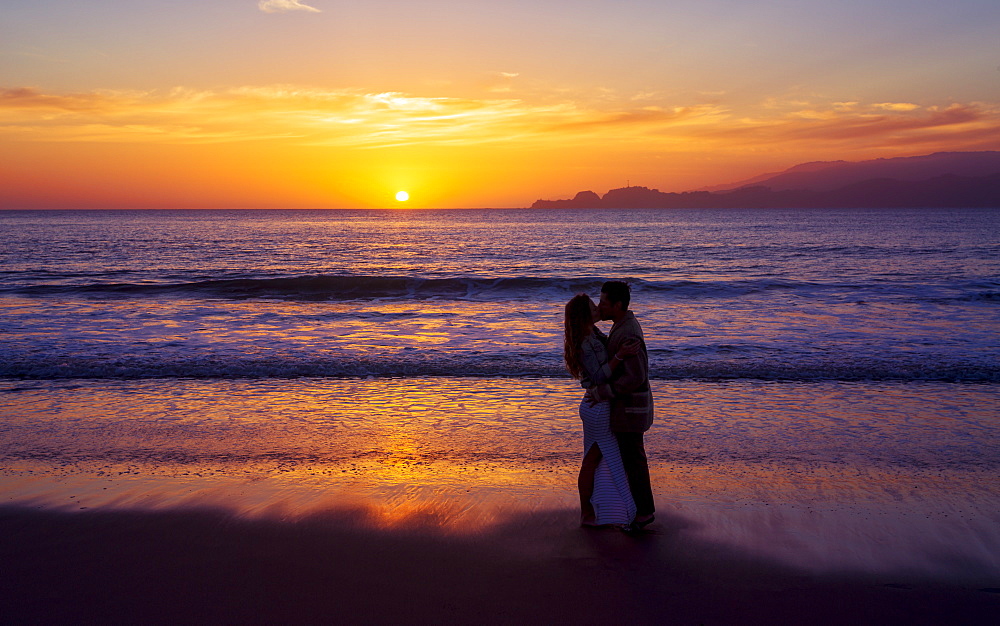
<point x="595" y="363"/>
<point x="594" y="360"/>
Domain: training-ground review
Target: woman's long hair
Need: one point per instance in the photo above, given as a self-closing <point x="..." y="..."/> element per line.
<point x="579" y="323"/>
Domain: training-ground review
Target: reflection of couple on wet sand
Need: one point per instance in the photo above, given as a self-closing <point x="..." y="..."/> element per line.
<point x="616" y="409"/>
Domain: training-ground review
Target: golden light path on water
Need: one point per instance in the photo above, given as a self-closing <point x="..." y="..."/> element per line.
<point x="823" y="475"/>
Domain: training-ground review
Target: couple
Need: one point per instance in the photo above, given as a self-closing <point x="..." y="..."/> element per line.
<point x="616" y="409"/>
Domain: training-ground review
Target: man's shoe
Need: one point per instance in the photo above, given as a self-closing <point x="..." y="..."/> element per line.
<point x="637" y="526"/>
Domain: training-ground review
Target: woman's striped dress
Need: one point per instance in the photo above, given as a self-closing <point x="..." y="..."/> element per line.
<point x="612" y="499"/>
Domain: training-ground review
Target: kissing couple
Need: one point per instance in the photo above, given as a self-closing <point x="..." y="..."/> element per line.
<point x="616" y="409"/>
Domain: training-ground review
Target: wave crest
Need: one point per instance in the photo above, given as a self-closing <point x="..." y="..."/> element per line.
<point x="495" y="366"/>
<point x="323" y="287"/>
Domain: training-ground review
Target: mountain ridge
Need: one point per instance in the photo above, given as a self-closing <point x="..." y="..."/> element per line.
<point x="938" y="180"/>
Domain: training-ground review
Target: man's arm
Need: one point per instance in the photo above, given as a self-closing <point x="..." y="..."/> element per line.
<point x="618" y="367"/>
<point x="634" y="374"/>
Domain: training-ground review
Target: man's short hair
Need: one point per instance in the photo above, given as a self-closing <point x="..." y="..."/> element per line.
<point x="617" y="291"/>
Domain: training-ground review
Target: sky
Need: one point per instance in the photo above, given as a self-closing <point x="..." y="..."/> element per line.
<point x="467" y="103"/>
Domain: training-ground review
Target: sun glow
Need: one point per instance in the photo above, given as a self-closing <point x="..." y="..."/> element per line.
<point x="277" y="146"/>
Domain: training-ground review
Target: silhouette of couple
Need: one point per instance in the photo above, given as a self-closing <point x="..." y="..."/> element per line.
<point x="616" y="409"/>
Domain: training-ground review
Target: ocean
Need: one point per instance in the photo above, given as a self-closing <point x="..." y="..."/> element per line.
<point x="826" y="381"/>
<point x="764" y="295"/>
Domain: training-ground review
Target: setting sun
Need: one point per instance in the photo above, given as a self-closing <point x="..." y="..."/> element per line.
<point x="402" y="196"/>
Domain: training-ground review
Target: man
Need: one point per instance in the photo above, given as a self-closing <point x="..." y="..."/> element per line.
<point x="629" y="393"/>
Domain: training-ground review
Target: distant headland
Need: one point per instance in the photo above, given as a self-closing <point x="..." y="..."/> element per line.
<point x="939" y="180"/>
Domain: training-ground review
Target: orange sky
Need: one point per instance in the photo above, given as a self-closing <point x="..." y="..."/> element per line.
<point x="297" y="104"/>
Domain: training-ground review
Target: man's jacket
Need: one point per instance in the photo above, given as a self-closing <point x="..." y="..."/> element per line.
<point x="628" y="389"/>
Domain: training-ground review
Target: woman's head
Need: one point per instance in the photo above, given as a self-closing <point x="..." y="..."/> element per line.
<point x="579" y="322"/>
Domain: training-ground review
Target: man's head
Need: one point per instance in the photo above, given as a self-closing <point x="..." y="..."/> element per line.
<point x="615" y="296"/>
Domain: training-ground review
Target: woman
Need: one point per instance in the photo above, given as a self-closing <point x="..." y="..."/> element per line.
<point x="605" y="498"/>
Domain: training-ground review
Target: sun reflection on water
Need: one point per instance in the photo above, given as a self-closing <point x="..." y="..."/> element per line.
<point x="794" y="470"/>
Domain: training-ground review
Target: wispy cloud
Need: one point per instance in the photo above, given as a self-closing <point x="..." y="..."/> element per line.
<point x="357" y="119"/>
<point x="646" y="118"/>
<point x="282" y="6"/>
<point x="856" y="130"/>
<point x="503" y="82"/>
<point x="286" y="113"/>
<point x="897" y="106"/>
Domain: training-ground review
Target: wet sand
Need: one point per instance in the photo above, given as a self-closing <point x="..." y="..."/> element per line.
<point x="209" y="566"/>
<point x="452" y="501"/>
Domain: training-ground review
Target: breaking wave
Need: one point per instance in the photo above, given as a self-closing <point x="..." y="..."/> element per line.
<point x="498" y="366"/>
<point x="327" y="287"/>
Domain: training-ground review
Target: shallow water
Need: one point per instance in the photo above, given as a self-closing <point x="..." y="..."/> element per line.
<point x="830" y="476"/>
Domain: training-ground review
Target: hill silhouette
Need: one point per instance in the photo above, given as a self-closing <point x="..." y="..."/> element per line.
<point x="940" y="180"/>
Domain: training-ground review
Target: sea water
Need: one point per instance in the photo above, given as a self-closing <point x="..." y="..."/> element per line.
<point x="826" y="382"/>
<point x="764" y="294"/>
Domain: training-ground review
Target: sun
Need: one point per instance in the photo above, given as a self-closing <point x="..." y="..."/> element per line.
<point x="402" y="196"/>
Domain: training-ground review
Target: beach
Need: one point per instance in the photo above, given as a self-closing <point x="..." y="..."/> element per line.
<point x="453" y="500"/>
<point x="204" y="566"/>
<point x="363" y="416"/>
<point x="294" y="324"/>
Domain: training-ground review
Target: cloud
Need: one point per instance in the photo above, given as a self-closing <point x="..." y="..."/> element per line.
<point x="357" y="119"/>
<point x="347" y="118"/>
<point x="855" y="128"/>
<point x="502" y="83"/>
<point x="897" y="106"/>
<point x="282" y="6"/>
<point x="28" y="98"/>
<point x="645" y="118"/>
